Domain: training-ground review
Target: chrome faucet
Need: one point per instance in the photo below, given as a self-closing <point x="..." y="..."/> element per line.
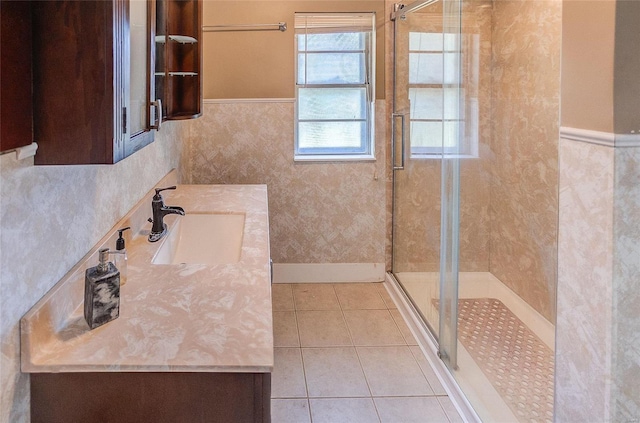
<point x="159" y="228"/>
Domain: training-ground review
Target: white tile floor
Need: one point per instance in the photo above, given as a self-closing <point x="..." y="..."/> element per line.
<point x="344" y="354"/>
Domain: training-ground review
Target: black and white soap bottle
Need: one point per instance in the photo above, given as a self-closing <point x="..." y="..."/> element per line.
<point x="121" y="256"/>
<point x="101" y="291"/>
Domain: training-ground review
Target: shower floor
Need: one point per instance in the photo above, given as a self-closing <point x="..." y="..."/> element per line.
<point x="491" y="400"/>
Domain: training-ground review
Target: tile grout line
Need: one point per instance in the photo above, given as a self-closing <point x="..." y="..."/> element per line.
<point x="375" y="407"/>
<point x="304" y="373"/>
<point x="371" y="397"/>
<point x="353" y="344"/>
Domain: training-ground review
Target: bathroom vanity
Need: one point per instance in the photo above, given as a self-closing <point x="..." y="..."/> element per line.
<point x="193" y="342"/>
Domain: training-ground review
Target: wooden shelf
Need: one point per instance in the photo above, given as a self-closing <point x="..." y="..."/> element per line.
<point x="179" y="58"/>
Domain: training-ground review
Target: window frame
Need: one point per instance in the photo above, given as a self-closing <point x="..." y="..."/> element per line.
<point x="366" y="150"/>
<point x="464" y="148"/>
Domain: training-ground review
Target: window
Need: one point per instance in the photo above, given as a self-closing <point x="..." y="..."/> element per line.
<point x="443" y="95"/>
<point x="334" y="86"/>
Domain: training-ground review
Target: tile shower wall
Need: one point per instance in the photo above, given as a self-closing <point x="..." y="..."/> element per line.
<point x="50" y="216"/>
<point x="526" y="43"/>
<point x="319" y="212"/>
<point x="509" y="205"/>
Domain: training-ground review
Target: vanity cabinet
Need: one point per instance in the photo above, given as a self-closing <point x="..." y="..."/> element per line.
<point x="194" y="397"/>
<point x="178" y="70"/>
<point x="192" y="342"/>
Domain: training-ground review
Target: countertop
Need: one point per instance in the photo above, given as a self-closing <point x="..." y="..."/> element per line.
<point x="173" y="318"/>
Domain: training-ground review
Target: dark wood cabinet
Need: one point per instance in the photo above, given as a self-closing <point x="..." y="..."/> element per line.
<point x="178" y="72"/>
<point x="95" y="75"/>
<point x="80" y="81"/>
<point x="151" y="397"/>
<point x="16" y="119"/>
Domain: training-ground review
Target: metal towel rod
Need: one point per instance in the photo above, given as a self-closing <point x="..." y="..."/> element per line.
<point x="281" y="26"/>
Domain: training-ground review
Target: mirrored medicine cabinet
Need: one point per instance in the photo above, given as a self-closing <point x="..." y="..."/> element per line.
<point x="108" y="72"/>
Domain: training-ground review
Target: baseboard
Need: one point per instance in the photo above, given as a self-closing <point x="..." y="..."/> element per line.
<point x="328" y="272"/>
<point x="428" y="346"/>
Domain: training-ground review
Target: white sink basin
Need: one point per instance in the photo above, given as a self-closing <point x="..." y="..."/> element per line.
<point x="203" y="239"/>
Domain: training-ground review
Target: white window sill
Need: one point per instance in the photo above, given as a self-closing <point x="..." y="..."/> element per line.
<point x="335" y="158"/>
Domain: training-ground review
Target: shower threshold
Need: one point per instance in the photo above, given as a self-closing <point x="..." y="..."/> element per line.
<point x="480" y="399"/>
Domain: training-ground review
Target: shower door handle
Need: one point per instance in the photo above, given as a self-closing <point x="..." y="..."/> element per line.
<point x="394" y="116"/>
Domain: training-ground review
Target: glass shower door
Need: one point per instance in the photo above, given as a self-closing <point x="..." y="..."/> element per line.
<point x="452" y="151"/>
<point x="426" y="127"/>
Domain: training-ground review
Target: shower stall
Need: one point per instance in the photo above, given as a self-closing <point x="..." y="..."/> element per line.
<point x="475" y="129"/>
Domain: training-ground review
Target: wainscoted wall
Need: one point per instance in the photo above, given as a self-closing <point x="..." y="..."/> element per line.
<point x="586" y="219"/>
<point x="50" y="217"/>
<point x="626" y="277"/>
<point x="598" y="336"/>
<point x="598" y="326"/>
<point x="526" y="42"/>
<point x="319" y="212"/>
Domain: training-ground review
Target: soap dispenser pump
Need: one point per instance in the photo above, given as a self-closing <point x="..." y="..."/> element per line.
<point x="101" y="291"/>
<point x="121" y="256"/>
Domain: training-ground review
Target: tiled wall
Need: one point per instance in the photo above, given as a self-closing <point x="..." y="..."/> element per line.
<point x="586" y="202"/>
<point x="626" y="284"/>
<point x="50" y="216"/>
<point x="526" y="43"/>
<point x="319" y="212"/>
<point x="598" y="337"/>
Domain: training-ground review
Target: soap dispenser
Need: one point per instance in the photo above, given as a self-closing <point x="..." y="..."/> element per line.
<point x="101" y="292"/>
<point x="121" y="256"/>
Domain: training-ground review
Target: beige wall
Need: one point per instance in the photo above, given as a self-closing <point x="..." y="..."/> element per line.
<point x="50" y="217"/>
<point x="318" y="212"/>
<point x="525" y="129"/>
<point x="260" y="64"/>
<point x="601" y="90"/>
<point x="588" y="41"/>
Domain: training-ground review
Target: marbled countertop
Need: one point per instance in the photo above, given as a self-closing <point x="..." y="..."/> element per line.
<point x="173" y="318"/>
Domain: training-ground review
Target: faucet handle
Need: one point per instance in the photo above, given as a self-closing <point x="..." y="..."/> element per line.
<point x="159" y="190"/>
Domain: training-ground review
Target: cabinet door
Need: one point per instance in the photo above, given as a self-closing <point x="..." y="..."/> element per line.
<point x="15" y="64"/>
<point x="77" y="117"/>
<point x="90" y="104"/>
<point x="142" y="114"/>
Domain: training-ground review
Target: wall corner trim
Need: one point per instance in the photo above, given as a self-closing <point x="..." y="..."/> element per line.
<point x="607" y="139"/>
<point x="328" y="272"/>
